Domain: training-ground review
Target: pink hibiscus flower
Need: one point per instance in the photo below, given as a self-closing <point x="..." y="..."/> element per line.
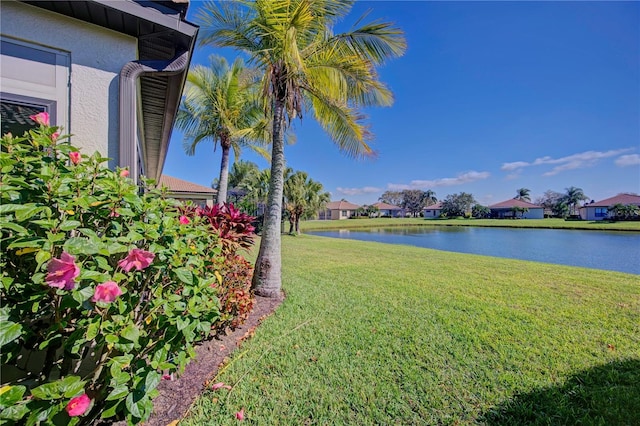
<point x="78" y="405"/>
<point x="124" y="173"/>
<point x="74" y="157"/>
<point x="106" y="292"/>
<point x="184" y="220"/>
<point x="62" y="272"/>
<point x="41" y="118"/>
<point x="138" y="259"/>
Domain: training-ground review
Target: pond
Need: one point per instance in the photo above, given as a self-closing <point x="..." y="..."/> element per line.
<point x="614" y="251"/>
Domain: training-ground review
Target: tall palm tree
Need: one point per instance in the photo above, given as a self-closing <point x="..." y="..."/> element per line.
<point x="221" y="105"/>
<point x="523" y="194"/>
<point x="573" y="197"/>
<point x="306" y="68"/>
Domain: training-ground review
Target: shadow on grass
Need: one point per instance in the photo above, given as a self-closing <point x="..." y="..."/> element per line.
<point x="604" y="395"/>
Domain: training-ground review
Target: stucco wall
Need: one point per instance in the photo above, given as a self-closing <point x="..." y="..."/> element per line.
<point x="97" y="55"/>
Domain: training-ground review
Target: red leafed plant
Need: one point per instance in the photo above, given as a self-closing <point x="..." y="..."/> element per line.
<point x="233" y="226"/>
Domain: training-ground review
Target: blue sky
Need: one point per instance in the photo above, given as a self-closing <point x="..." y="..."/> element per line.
<point x="489" y="97"/>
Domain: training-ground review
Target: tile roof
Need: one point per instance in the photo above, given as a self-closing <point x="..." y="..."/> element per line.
<point x="618" y="199"/>
<point x="179" y="185"/>
<point x="436" y="206"/>
<point x="385" y="206"/>
<point x="514" y="203"/>
<point x="341" y="205"/>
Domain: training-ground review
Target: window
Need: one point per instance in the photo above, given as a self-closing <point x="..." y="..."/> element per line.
<point x="601" y="212"/>
<point x="15" y="111"/>
<point x="343" y="213"/>
<point x="34" y="79"/>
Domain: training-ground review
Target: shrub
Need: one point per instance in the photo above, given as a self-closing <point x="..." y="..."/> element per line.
<point x="103" y="290"/>
<point x="234" y="227"/>
<point x="234" y="291"/>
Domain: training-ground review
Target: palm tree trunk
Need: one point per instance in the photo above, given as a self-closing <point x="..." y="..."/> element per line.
<point x="267" y="276"/>
<point x="224" y="172"/>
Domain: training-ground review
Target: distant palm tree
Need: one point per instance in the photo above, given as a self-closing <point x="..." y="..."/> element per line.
<point x="429" y="198"/>
<point x="573" y="197"/>
<point x="523" y="194"/>
<point x="221" y="105"/>
<point x="306" y="67"/>
<point x="257" y="186"/>
<point x="302" y="197"/>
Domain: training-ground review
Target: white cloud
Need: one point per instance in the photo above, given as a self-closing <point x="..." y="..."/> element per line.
<point x="462" y="178"/>
<point x="570" y="162"/>
<point x="358" y="191"/>
<point x="628" y="160"/>
<point x="514" y="166"/>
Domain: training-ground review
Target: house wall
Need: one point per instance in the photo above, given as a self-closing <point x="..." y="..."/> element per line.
<point x="507" y="213"/>
<point x="96" y="56"/>
<point x="431" y="213"/>
<point x="589" y="213"/>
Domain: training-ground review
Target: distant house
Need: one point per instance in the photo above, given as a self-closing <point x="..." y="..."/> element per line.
<point x="338" y="210"/>
<point x="433" y="211"/>
<point x="111" y="73"/>
<point x="188" y="191"/>
<point x="599" y="210"/>
<point x="507" y="209"/>
<point x="389" y="210"/>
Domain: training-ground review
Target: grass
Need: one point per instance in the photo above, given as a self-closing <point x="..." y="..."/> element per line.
<point x="319" y="225"/>
<point x="375" y="334"/>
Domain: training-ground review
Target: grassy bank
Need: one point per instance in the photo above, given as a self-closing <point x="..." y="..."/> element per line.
<point x="384" y="334"/>
<point x="319" y="225"/>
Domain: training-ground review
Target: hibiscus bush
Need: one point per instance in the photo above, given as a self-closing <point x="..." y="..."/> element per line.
<point x="104" y="291"/>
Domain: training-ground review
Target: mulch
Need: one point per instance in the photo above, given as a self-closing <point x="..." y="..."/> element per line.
<point x="177" y="395"/>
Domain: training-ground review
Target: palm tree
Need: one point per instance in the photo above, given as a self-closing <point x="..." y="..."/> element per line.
<point x="523" y="194"/>
<point x="429" y="198"/>
<point x="257" y="186"/>
<point x="573" y="197"/>
<point x="303" y="197"/>
<point x="221" y="105"/>
<point x="306" y="68"/>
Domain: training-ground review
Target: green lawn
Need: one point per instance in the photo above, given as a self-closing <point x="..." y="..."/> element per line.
<point x="373" y="334"/>
<point x="318" y="225"/>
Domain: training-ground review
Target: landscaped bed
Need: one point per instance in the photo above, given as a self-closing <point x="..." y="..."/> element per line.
<point x="380" y="334"/>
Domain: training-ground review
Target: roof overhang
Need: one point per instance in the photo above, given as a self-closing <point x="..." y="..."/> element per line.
<point x="163" y="34"/>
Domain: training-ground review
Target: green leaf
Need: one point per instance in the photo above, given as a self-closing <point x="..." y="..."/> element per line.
<point x="9" y="395"/>
<point x="92" y="330"/>
<point x="118" y="392"/>
<point x="9" y="331"/>
<point x="15" y="412"/>
<point x="135" y="403"/>
<point x="27" y="212"/>
<point x="48" y="391"/>
<point x="184" y="275"/>
<point x="79" y="245"/>
<point x="72" y="386"/>
<point x="83" y="294"/>
<point x="131" y="333"/>
<point x="68" y="225"/>
<point x="111" y="409"/>
<point x="13" y="226"/>
<point x="152" y="380"/>
<point x="42" y="256"/>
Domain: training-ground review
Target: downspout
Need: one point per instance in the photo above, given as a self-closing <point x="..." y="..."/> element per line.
<point x="128" y="99"/>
